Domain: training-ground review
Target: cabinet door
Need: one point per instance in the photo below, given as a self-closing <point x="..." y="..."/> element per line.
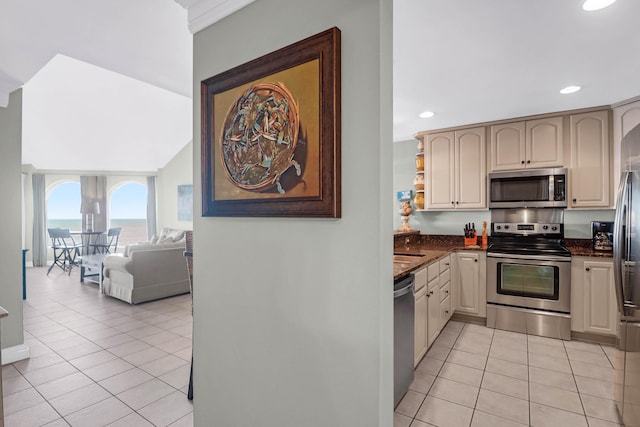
<point x="507" y="146"/>
<point x="470" y="169"/>
<point x="625" y="118"/>
<point x="420" y="326"/>
<point x="440" y="171"/>
<point x="590" y="178"/>
<point x="600" y="314"/>
<point x="433" y="311"/>
<point x="468" y="286"/>
<point x="445" y="312"/>
<point x="543" y="142"/>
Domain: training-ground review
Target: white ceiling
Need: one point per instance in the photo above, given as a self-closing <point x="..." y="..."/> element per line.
<point x="119" y="95"/>
<point x="471" y="61"/>
<point x="468" y="61"/>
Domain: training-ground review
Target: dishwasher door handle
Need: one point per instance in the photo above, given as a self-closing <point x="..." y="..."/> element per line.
<point x="403" y="291"/>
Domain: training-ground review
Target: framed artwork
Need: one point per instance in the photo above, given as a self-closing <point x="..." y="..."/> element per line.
<point x="185" y="202"/>
<point x="271" y="134"/>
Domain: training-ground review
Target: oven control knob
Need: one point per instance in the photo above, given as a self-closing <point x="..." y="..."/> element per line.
<point x="498" y="227"/>
<point x="506" y="227"/>
<point x="545" y="227"/>
<point x="554" y="228"/>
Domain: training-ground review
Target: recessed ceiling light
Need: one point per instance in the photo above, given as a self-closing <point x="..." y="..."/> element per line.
<point x="427" y="114"/>
<point x="590" y="5"/>
<point x="569" y="89"/>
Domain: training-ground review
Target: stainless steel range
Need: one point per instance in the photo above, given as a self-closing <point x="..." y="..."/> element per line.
<point x="529" y="273"/>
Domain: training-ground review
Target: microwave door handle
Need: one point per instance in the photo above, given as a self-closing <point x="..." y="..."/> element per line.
<point x="552" y="193"/>
<point x="619" y="241"/>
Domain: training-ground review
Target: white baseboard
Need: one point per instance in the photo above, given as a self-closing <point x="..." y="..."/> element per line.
<point x="15" y="353"/>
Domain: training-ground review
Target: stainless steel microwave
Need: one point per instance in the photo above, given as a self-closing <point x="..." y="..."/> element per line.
<point x="534" y="188"/>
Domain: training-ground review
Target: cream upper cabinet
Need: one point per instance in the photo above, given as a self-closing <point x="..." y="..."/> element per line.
<point x="456" y="170"/>
<point x="593" y="298"/>
<point x="527" y="144"/>
<point x="439" y="164"/>
<point x="625" y="118"/>
<point x="507" y="146"/>
<point x="589" y="179"/>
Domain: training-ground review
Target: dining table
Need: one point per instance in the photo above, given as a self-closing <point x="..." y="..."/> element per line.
<point x="88" y="239"/>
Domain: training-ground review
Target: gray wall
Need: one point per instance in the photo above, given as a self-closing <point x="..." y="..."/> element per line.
<point x="10" y="194"/>
<point x="293" y="317"/>
<point x="577" y="222"/>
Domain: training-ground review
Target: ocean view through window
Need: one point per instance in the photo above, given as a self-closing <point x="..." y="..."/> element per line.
<point x="127" y="210"/>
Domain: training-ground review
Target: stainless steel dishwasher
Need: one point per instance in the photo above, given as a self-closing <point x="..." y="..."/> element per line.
<point x="403" y="321"/>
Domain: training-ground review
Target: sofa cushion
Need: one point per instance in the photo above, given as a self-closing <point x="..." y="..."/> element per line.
<point x="117" y="262"/>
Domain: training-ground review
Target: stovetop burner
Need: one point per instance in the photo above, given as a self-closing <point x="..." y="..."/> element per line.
<point x="517" y="245"/>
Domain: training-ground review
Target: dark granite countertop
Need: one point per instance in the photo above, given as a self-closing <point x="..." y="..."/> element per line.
<point x="583" y="247"/>
<point x="429" y="248"/>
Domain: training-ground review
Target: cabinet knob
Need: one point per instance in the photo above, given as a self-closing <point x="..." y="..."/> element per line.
<point x="431" y="293"/>
<point x="528" y="161"/>
<point x="457" y="203"/>
<point x="452" y="202"/>
<point x="587" y="269"/>
<point x="447" y="291"/>
<point x="446" y="311"/>
<point x="475" y="260"/>
<point x="522" y="162"/>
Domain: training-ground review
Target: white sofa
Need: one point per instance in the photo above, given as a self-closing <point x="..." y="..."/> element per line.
<point x="148" y="270"/>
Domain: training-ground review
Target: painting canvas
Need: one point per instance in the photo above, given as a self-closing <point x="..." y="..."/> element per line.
<point x="271" y="134"/>
<point x="185" y="202"/>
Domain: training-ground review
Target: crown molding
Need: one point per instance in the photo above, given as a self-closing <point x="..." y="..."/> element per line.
<point x="203" y="13"/>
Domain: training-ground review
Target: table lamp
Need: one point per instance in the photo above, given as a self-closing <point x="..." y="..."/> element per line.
<point x="90" y="210"/>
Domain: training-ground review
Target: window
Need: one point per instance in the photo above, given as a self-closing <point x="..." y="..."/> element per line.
<point x="128" y="210"/>
<point x="63" y="206"/>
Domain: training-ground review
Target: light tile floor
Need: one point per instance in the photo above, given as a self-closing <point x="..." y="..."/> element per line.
<point x="98" y="361"/>
<point x="480" y="377"/>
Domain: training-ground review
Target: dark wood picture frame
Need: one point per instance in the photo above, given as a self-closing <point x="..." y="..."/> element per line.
<point x="325" y="199"/>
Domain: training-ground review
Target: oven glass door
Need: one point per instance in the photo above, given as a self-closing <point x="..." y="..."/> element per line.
<point x="536" y="281"/>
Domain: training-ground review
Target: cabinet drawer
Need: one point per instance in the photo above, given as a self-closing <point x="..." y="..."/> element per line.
<point x="420" y="279"/>
<point x="434" y="271"/>
<point x="445" y="290"/>
<point x="444" y="263"/>
<point x="444" y="277"/>
<point x="445" y="311"/>
<point x="433" y="284"/>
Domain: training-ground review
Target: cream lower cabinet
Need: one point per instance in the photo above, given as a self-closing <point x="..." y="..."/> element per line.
<point x="593" y="297"/>
<point x="420" y="317"/>
<point x="445" y="291"/>
<point x="432" y="294"/>
<point x="469" y="283"/>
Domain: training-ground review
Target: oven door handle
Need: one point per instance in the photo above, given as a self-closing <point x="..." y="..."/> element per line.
<point x="532" y="257"/>
<point x="619" y="256"/>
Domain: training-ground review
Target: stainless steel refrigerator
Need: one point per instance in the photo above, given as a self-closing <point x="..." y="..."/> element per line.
<point x="626" y="253"/>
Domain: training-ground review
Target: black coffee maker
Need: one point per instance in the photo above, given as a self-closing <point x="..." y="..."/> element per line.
<point x="602" y="235"/>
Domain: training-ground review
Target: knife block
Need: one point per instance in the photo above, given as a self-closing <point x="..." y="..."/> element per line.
<point x="471" y="241"/>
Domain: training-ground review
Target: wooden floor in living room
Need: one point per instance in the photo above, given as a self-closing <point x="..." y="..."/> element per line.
<point x="96" y="360"/>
